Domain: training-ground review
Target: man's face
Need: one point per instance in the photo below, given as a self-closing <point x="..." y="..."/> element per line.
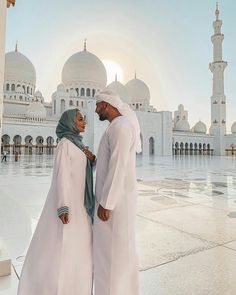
<point x="101" y="110"/>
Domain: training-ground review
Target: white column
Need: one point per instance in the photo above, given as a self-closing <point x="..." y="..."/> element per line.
<point x="166" y="134"/>
<point x="3" y="9"/>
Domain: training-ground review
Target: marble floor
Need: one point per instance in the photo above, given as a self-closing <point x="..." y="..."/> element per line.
<point x="186" y="224"/>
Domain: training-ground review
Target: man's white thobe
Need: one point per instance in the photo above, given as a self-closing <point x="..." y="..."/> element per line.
<point x="115" y="258"/>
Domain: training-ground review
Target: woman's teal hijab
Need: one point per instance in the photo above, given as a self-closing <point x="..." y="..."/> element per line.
<point x="66" y="128"/>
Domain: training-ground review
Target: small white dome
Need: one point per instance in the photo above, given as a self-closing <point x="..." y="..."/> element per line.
<point x="19" y="68"/>
<point x="200" y="127"/>
<point x="138" y="91"/>
<point x="82" y="67"/>
<point x="182" y="125"/>
<point x="38" y="93"/>
<point x="73" y="93"/>
<point x="233" y="128"/>
<point x="36" y="110"/>
<point x="38" y="96"/>
<point x="61" y="88"/>
<point x="120" y="89"/>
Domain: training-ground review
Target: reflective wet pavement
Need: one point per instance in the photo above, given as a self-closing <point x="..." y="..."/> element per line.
<point x="186" y="225"/>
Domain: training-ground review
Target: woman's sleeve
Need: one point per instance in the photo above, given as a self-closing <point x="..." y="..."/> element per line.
<point x="62" y="179"/>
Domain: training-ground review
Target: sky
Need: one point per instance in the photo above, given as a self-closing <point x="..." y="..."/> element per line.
<point x="167" y="42"/>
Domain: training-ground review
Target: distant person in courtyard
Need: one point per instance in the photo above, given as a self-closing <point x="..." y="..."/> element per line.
<point x="59" y="259"/>
<point x="16" y="156"/>
<point x="115" y="258"/>
<point x="4" y="158"/>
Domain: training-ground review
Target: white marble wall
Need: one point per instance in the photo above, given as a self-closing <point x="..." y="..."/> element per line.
<point x="194" y="139"/>
<point x="25" y="129"/>
<point x="159" y="127"/>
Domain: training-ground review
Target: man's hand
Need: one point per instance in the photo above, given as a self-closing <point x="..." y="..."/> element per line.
<point x="64" y="218"/>
<point x="89" y="154"/>
<point x="103" y="214"/>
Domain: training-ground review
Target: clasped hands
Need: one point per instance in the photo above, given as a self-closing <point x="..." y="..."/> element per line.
<point x="89" y="154"/>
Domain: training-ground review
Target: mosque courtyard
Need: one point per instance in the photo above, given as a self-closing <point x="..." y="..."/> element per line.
<point x="186" y="223"/>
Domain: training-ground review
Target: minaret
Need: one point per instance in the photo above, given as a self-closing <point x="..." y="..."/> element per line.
<point x="218" y="99"/>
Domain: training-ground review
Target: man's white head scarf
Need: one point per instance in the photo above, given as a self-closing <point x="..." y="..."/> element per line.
<point x="109" y="96"/>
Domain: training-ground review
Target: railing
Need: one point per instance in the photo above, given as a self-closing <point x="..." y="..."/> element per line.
<point x="29" y="120"/>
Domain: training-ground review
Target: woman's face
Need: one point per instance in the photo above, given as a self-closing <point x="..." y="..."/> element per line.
<point x="80" y="122"/>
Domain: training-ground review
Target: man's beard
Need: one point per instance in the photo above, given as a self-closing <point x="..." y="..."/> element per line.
<point x="102" y="117"/>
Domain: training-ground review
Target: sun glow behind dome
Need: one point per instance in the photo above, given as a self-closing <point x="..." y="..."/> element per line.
<point x="114" y="71"/>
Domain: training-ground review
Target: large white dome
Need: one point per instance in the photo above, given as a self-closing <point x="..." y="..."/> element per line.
<point x="233" y="128"/>
<point x="19" y="68"/>
<point x="84" y="66"/>
<point x="182" y="125"/>
<point x="138" y="91"/>
<point x="200" y="127"/>
<point x="36" y="110"/>
<point x="38" y="96"/>
<point x="121" y="90"/>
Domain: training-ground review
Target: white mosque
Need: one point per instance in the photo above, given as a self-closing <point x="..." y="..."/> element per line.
<point x="29" y="122"/>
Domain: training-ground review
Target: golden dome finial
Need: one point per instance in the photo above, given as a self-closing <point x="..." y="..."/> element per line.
<point x="217" y="12"/>
<point x="85" y="44"/>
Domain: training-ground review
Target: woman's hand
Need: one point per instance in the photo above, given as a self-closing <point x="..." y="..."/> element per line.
<point x="64" y="218"/>
<point x="89" y="154"/>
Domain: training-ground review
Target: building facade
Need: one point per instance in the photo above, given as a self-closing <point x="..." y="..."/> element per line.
<point x="29" y="122"/>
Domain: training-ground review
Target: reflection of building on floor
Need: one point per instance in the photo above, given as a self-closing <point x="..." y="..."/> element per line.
<point x="192" y="149"/>
<point x="231" y="151"/>
<point x="29" y="122"/>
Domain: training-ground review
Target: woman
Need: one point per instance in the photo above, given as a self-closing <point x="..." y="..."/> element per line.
<point x="59" y="259"/>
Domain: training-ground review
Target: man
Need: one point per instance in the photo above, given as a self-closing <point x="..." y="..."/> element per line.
<point x="115" y="258"/>
<point x="4" y="158"/>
